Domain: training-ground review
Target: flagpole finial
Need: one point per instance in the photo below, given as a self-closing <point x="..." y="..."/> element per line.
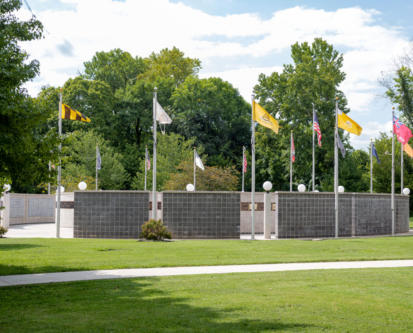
<point x="393" y="108"/>
<point x="336" y="98"/>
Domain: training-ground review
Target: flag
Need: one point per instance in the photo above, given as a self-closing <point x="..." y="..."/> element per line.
<point x="292" y="148"/>
<point x="348" y="124"/>
<point x="408" y="150"/>
<point x="161" y="116"/>
<point x="316" y="127"/>
<point x="374" y="152"/>
<point x="198" y="161"/>
<point x="69" y="113"/>
<point x="245" y="163"/>
<point x="341" y="146"/>
<point x="402" y="132"/>
<point x="148" y="163"/>
<point x="263" y="117"/>
<point x="98" y="159"/>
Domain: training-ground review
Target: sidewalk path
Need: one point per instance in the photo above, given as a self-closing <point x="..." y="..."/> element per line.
<point x="14" y="280"/>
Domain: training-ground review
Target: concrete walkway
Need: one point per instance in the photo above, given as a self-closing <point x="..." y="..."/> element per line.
<point x="24" y="279"/>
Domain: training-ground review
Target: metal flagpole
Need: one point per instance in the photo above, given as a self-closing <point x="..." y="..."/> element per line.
<point x="154" y="205"/>
<point x="146" y="166"/>
<point x="243" y="167"/>
<point x="97" y="167"/>
<point x="291" y="162"/>
<point x="252" y="169"/>
<point x="336" y="172"/>
<point x="313" y="173"/>
<point x="194" y="170"/>
<point x="392" y="175"/>
<point x="371" y="165"/>
<point x="401" y="168"/>
<point x="48" y="184"/>
<point x="59" y="169"/>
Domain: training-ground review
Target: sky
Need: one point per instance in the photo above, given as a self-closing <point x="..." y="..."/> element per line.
<point x="234" y="39"/>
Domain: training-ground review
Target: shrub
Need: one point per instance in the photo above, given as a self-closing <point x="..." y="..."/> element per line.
<point x="155" y="230"/>
<point x="3" y="230"/>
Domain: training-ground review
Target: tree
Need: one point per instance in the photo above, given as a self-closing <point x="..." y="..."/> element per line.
<point x="312" y="80"/>
<point x="213" y="113"/>
<point x="22" y="145"/>
<point x="172" y="150"/>
<point x="211" y="179"/>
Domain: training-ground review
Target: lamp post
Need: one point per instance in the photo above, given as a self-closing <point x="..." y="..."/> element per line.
<point x="267" y="209"/>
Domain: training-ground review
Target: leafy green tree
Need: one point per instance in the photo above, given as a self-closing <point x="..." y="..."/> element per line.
<point x="172" y="150"/>
<point x="24" y="150"/>
<point x="79" y="163"/>
<point x="312" y="80"/>
<point x="213" y="113"/>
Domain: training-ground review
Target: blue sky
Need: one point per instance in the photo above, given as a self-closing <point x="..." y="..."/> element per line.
<point x="235" y="40"/>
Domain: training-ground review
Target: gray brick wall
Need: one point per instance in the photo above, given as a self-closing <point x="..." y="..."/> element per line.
<point x="311" y="215"/>
<point x="214" y="215"/>
<point x="110" y="214"/>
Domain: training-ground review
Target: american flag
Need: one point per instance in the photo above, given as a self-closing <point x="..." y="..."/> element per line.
<point x="316" y="126"/>
<point x="244" y="163"/>
<point x="148" y="163"/>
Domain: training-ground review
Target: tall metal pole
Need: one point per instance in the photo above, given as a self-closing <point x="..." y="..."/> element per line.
<point x="96" y="167"/>
<point x="243" y="167"/>
<point x="194" y="169"/>
<point x="401" y="168"/>
<point x="291" y="162"/>
<point x="154" y="203"/>
<point x="146" y="167"/>
<point x="59" y="169"/>
<point x="371" y="165"/>
<point x="252" y="168"/>
<point x="48" y="184"/>
<point x="313" y="167"/>
<point x="336" y="172"/>
<point x="392" y="175"/>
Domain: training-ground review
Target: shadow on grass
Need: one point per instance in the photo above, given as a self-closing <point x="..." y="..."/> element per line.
<point x="12" y="246"/>
<point x="127" y="305"/>
<point x="13" y="269"/>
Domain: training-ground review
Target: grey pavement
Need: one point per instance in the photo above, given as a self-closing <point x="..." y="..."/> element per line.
<point x="24" y="279"/>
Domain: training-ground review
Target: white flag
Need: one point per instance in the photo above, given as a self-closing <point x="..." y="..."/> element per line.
<point x="198" y="161"/>
<point x="161" y="116"/>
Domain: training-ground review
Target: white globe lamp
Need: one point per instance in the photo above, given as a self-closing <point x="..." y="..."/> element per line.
<point x="406" y="191"/>
<point x="190" y="188"/>
<point x="341" y="189"/>
<point x="267" y="186"/>
<point x="301" y="188"/>
<point x="6" y="187"/>
<point x="82" y="186"/>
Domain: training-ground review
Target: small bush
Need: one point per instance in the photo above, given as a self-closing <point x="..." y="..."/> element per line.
<point x="155" y="230"/>
<point x="3" y="230"/>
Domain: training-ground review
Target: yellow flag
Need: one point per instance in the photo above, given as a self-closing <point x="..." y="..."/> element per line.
<point x="263" y="117"/>
<point x="348" y="124"/>
<point x="408" y="149"/>
<point x="69" y="113"/>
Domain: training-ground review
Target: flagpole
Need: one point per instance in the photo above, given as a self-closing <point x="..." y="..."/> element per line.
<point x="96" y="167"/>
<point x="392" y="175"/>
<point x="313" y="167"/>
<point x="371" y="165"/>
<point x="291" y="162"/>
<point x="48" y="184"/>
<point x="59" y="169"/>
<point x="336" y="173"/>
<point x="401" y="168"/>
<point x="154" y="205"/>
<point x="252" y="168"/>
<point x="194" y="169"/>
<point x="146" y="166"/>
<point x="243" y="167"/>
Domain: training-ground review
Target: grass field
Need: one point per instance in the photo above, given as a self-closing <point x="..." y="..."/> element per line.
<point x="19" y="256"/>
<point x="368" y="300"/>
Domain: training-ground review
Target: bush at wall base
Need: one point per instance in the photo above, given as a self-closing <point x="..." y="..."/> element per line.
<point x="155" y="230"/>
<point x="3" y="230"/>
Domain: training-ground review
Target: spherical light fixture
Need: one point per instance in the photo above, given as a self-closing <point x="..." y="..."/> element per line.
<point x="316" y="191"/>
<point x="190" y="188"/>
<point x="82" y="186"/>
<point x="301" y="188"/>
<point x="267" y="186"/>
<point x="406" y="191"/>
<point x="6" y="187"/>
<point x="341" y="189"/>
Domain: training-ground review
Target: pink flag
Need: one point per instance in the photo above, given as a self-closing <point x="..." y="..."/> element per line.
<point x="292" y="149"/>
<point x="403" y="133"/>
<point x="245" y="163"/>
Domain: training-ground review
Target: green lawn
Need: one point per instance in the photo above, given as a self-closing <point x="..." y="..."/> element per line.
<point x="358" y="300"/>
<point x="19" y="256"/>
